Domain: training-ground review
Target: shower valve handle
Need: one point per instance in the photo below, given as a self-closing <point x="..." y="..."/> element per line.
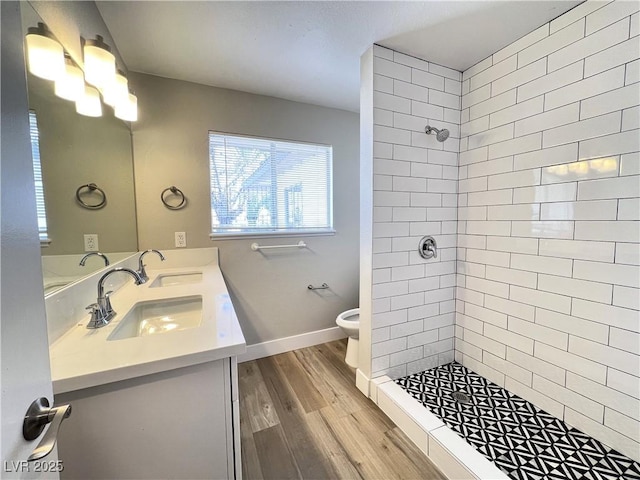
<point x="428" y="248"/>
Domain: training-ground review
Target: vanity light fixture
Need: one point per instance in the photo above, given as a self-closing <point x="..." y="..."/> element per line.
<point x="128" y="109"/>
<point x="70" y="86"/>
<point x="45" y="55"/>
<point x="117" y="91"/>
<point x="47" y="59"/>
<point x="99" y="63"/>
<point x="89" y="103"/>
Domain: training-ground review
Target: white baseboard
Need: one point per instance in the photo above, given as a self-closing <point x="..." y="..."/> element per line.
<point x="362" y="382"/>
<point x="286" y="344"/>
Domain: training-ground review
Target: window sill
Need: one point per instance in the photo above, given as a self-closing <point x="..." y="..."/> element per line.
<point x="248" y="235"/>
<point x="45" y="242"/>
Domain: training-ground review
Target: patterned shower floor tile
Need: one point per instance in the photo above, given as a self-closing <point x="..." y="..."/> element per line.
<point x="523" y="441"/>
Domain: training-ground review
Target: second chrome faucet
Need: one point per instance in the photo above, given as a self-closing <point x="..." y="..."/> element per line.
<point x="83" y="260"/>
<point x="141" y="271"/>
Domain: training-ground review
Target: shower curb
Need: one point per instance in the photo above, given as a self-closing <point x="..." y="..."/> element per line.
<point x="445" y="448"/>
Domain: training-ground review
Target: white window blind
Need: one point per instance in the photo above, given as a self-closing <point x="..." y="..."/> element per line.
<point x="267" y="186"/>
<point x="37" y="177"/>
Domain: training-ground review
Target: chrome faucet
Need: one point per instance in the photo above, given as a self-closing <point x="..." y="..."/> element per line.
<point x="102" y="312"/>
<point x="141" y="271"/>
<point x="104" y="257"/>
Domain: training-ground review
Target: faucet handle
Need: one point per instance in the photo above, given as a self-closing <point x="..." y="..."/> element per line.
<point x="93" y="307"/>
<point x="107" y="301"/>
<point x="142" y="272"/>
<point x="98" y="316"/>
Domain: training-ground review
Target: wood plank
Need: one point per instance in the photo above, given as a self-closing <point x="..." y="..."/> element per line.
<point x="251" y="468"/>
<point x="301" y="441"/>
<point x="250" y="461"/>
<point x="358" y="447"/>
<point x="253" y="393"/>
<point x="337" y="383"/>
<point x="335" y="352"/>
<point x="330" y="447"/>
<point x="349" y="438"/>
<point x="386" y="443"/>
<point x="274" y="454"/>
<point x="408" y="450"/>
<point x="328" y="383"/>
<point x="304" y="388"/>
<point x="331" y="355"/>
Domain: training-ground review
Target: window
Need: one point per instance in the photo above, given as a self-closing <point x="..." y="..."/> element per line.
<point x="264" y="186"/>
<point x="37" y="177"/>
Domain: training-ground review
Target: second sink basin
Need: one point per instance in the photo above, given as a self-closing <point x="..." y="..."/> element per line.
<point x="169" y="280"/>
<point x="159" y="316"/>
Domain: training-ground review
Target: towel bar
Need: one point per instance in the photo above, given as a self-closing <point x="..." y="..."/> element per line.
<point x="255" y="247"/>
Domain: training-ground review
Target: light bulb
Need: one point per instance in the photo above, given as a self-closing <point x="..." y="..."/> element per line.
<point x="128" y="109"/>
<point x="89" y="103"/>
<point x="117" y="91"/>
<point x="45" y="55"/>
<point x="99" y="63"/>
<point x="70" y="86"/>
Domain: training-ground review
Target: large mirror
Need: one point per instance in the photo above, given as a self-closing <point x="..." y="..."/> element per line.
<point x="74" y="151"/>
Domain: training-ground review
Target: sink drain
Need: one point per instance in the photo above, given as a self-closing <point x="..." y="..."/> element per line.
<point x="461" y="397"/>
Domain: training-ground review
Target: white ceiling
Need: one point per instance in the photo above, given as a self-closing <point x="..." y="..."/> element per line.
<point x="309" y="51"/>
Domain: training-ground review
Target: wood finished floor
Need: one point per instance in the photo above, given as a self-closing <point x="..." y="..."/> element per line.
<point x="302" y="417"/>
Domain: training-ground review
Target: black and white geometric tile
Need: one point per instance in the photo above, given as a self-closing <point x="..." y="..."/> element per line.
<point x="523" y="441"/>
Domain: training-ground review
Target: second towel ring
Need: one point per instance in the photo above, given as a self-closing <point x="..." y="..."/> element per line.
<point x="91" y="187"/>
<point x="176" y="192"/>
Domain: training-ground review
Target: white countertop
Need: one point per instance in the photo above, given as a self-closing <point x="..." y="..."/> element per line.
<point x="83" y="358"/>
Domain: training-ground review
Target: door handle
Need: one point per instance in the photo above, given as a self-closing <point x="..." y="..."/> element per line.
<point x="37" y="417"/>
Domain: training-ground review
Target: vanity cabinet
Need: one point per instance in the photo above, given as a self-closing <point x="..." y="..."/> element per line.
<point x="181" y="423"/>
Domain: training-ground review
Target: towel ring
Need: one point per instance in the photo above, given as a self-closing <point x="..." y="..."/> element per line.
<point x="178" y="193"/>
<point x="91" y="188"/>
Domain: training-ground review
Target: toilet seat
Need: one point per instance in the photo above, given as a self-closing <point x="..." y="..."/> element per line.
<point x="349" y="322"/>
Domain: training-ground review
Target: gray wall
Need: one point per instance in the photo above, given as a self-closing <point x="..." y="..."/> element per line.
<point x="269" y="289"/>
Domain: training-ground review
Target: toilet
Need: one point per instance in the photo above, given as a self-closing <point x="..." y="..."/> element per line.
<point x="349" y="322"/>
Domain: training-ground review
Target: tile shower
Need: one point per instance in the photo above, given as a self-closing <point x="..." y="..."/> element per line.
<point x="534" y="203"/>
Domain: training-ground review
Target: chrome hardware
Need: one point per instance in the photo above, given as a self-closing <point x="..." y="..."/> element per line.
<point x="101" y="311"/>
<point x="37" y="417"/>
<point x="104" y="257"/>
<point x="141" y="271"/>
<point x="91" y="188"/>
<point x="98" y="316"/>
<point x="255" y="247"/>
<point x="324" y="286"/>
<point x="177" y="193"/>
<point x="427" y="247"/>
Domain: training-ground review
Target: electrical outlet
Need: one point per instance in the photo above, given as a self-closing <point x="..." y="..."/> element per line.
<point x="181" y="239"/>
<point x="91" y="242"/>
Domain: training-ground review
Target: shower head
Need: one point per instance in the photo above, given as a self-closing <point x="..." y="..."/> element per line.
<point x="441" y="135"/>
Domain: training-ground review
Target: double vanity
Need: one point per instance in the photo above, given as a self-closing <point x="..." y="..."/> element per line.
<point x="155" y="391"/>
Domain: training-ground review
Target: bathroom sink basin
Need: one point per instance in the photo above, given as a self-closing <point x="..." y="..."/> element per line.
<point x="159" y="316"/>
<point x="176" y="279"/>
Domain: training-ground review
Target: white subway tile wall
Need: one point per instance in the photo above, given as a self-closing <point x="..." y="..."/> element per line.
<point x="548" y="281"/>
<point x="415" y="194"/>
